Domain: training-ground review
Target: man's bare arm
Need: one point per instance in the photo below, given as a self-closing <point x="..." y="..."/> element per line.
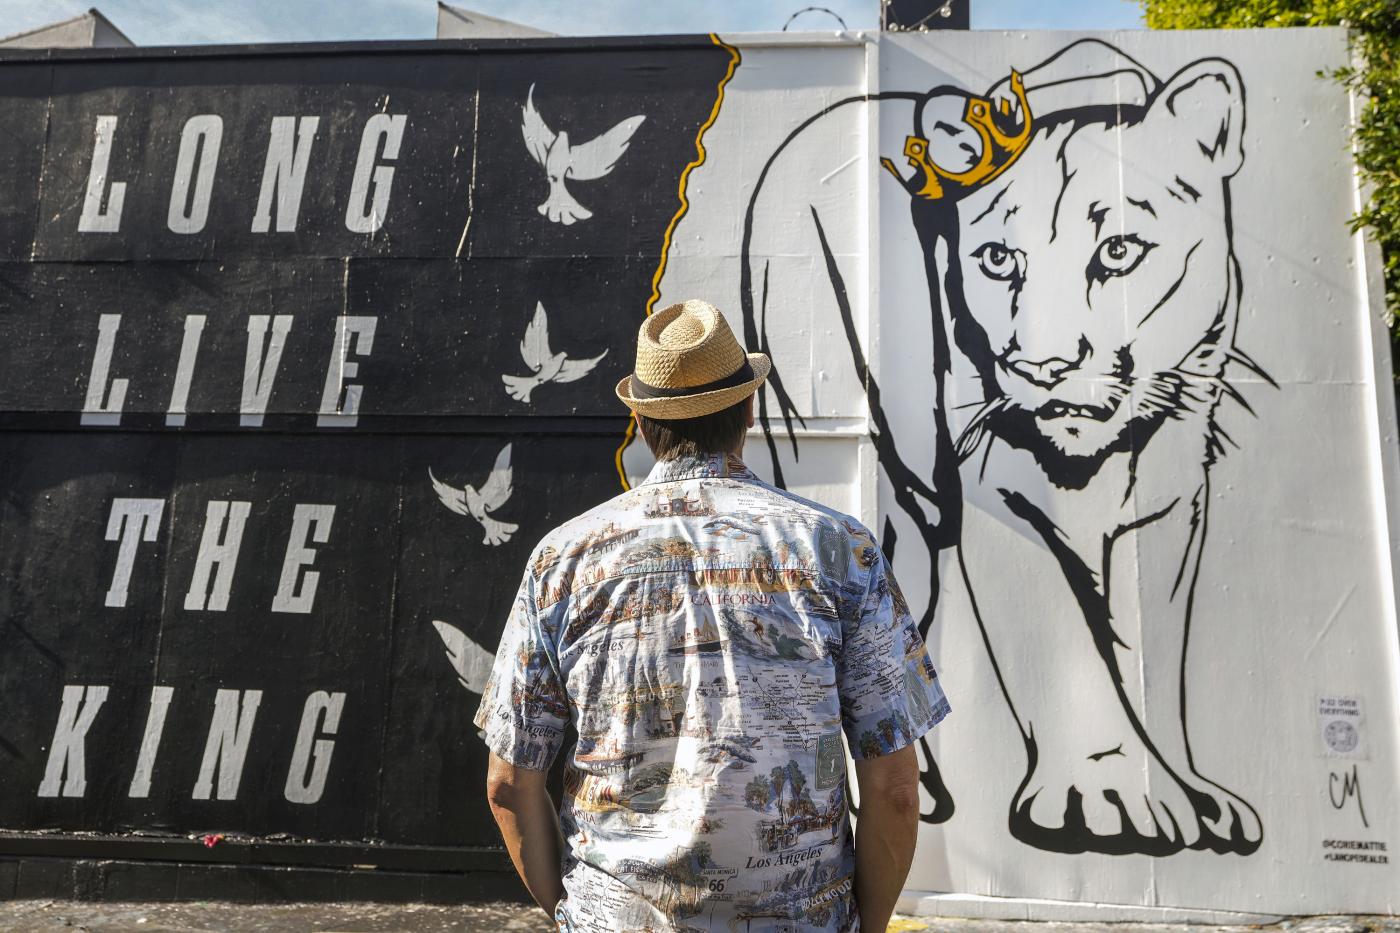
<point x="530" y="827"/>
<point x="885" y="833"/>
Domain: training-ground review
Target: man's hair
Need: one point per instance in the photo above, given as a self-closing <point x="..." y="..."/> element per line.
<point x="717" y="432"/>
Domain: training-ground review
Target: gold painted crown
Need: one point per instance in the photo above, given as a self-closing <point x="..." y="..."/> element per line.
<point x="999" y="149"/>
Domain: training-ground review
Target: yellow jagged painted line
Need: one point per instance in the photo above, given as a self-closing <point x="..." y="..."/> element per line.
<point x="698" y="161"/>
<point x="906" y="925"/>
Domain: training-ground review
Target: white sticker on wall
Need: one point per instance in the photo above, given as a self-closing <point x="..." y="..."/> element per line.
<point x="1341" y="722"/>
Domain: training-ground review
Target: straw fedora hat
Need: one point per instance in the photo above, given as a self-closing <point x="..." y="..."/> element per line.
<point x="689" y="364"/>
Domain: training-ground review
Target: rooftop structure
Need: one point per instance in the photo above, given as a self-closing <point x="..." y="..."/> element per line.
<point x="90" y="30"/>
<point x="455" y="22"/>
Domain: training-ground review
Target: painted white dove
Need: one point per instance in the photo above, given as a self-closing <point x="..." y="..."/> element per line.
<point x="548" y="366"/>
<point x="562" y="161"/>
<point x="471" y="661"/>
<point x="492" y="495"/>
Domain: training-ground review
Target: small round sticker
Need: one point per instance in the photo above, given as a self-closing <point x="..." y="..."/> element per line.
<point x="1340" y="736"/>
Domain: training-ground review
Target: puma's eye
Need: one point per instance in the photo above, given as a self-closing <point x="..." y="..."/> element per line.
<point x="1118" y="255"/>
<point x="998" y="261"/>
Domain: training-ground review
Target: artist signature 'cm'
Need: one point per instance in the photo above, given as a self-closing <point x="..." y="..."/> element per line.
<point x="1343" y="787"/>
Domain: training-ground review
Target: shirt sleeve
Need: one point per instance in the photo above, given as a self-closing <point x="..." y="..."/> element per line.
<point x="889" y="690"/>
<point x="524" y="709"/>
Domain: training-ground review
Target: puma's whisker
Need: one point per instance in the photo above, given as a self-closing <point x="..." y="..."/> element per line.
<point x="971" y="436"/>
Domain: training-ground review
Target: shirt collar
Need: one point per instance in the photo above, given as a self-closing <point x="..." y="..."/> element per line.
<point x="709" y="466"/>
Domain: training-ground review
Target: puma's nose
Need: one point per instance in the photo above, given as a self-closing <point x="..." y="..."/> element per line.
<point x="1045" y="373"/>
<point x="1048" y="372"/>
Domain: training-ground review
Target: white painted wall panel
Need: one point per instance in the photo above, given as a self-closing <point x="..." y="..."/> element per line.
<point x="1115" y="529"/>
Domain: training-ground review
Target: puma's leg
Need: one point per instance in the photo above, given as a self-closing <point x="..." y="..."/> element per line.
<point x="1157" y="565"/>
<point x="917" y="566"/>
<point x="935" y="803"/>
<point x="1093" y="782"/>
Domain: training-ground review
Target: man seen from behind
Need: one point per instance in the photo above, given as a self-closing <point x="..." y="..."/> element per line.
<point x="710" y="637"/>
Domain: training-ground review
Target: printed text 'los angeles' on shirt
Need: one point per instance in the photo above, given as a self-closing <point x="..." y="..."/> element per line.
<point x="710" y="636"/>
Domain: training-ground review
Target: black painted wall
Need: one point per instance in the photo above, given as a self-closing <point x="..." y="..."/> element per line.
<point x="451" y="278"/>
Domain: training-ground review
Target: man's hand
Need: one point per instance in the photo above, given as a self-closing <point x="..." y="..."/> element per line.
<point x="885" y="833"/>
<point x="530" y="827"/>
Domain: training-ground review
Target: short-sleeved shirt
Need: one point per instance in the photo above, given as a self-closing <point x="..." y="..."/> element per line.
<point x="710" y="637"/>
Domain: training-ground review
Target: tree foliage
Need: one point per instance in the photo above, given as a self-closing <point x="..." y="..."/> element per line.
<point x="1375" y="26"/>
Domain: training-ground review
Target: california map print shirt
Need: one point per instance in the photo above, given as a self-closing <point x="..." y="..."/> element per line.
<point x="710" y="637"/>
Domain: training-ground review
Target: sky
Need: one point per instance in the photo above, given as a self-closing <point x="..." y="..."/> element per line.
<point x="173" y="22"/>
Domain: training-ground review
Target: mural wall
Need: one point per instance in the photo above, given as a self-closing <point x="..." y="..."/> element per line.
<point x="1087" y="309"/>
<point x="306" y="347"/>
<point x="302" y="352"/>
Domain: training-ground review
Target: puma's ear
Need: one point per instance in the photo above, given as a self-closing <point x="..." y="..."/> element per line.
<point x="1203" y="106"/>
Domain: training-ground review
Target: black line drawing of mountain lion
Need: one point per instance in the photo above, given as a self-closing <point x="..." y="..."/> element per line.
<point x="1072" y="226"/>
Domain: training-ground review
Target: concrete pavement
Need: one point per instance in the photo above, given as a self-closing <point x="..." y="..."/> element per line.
<point x="211" y="917"/>
<point x="208" y="917"/>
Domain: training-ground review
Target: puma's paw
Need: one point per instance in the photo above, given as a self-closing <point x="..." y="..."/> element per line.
<point x="1228" y="822"/>
<point x="1123" y="800"/>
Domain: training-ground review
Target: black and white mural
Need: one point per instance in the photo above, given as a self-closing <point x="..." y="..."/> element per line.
<point x="1039" y="296"/>
<point x="302" y="352"/>
<point x="1100" y="376"/>
<point x="304" y="348"/>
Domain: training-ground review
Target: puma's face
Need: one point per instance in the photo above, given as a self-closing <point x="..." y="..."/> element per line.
<point x="1098" y="267"/>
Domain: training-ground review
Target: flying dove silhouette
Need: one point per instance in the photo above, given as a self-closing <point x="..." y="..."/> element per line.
<point x="548" y="366"/>
<point x="492" y="495"/>
<point x="471" y="661"/>
<point x="561" y="161"/>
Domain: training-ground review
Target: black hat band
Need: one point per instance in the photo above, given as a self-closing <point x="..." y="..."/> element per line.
<point x="740" y="376"/>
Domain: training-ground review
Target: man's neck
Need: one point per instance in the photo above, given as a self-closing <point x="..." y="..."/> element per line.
<point x="704" y="455"/>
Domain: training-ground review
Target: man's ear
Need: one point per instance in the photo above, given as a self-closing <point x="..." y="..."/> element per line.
<point x="1200" y="113"/>
<point x="637" y="420"/>
<point x="749" y="409"/>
